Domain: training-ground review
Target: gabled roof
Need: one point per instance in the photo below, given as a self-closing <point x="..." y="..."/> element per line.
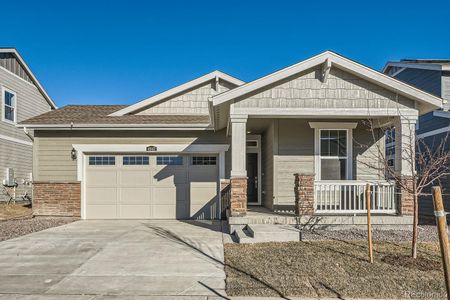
<point x="176" y="90"/>
<point x="33" y="78"/>
<point x="98" y="116"/>
<point x="339" y="61"/>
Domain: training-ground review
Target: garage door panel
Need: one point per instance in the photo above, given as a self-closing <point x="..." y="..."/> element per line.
<point x="135" y="195"/>
<point x="101" y="212"/>
<point x="135" y="178"/>
<point x="169" y="195"/>
<point x="169" y="176"/>
<point x="203" y="174"/>
<point x="149" y="190"/>
<point x="101" y="178"/>
<point x="201" y="196"/>
<point x="135" y="211"/>
<point x="101" y="195"/>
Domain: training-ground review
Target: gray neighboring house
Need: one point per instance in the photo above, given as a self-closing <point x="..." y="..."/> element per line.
<point x="22" y="97"/>
<point x="219" y="147"/>
<point x="432" y="76"/>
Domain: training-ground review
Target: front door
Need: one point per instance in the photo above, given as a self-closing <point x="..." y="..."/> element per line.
<point x="252" y="181"/>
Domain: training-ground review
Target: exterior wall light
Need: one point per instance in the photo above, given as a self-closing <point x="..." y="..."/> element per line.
<point x="73" y="154"/>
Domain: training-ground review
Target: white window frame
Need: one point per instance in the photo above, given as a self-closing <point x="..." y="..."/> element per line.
<point x="318" y="127"/>
<point x="4" y="90"/>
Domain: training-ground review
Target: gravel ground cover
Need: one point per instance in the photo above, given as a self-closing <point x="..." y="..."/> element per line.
<point x="333" y="268"/>
<point x="14" y="228"/>
<point x="427" y="233"/>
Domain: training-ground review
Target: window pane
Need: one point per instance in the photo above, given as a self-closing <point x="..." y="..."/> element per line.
<point x="9" y="113"/>
<point x="169" y="160"/>
<point x="333" y="169"/>
<point x="102" y="160"/>
<point x="9" y="99"/>
<point x="333" y="143"/>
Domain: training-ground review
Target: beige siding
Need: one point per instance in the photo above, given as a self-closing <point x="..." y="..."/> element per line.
<point x="295" y="154"/>
<point x="30" y="102"/>
<point x="446" y="89"/>
<point x="368" y="153"/>
<point x="52" y="149"/>
<point x="342" y="90"/>
<point x="191" y="102"/>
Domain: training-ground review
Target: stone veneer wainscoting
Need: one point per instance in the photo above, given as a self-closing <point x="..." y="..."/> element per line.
<point x="56" y="198"/>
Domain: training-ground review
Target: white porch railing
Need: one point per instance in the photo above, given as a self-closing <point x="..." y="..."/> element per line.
<point x="349" y="197"/>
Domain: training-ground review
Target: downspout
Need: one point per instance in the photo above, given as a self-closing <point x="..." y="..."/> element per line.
<point x="28" y="134"/>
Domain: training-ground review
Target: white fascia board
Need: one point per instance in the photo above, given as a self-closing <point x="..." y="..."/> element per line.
<point x="412" y="65"/>
<point x="442" y="114"/>
<point x="36" y="82"/>
<point x="160" y="148"/>
<point x="333" y="125"/>
<point x="119" y="126"/>
<point x="342" y="63"/>
<point x="177" y="90"/>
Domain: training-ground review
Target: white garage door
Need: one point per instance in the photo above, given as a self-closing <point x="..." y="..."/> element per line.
<point x="152" y="187"/>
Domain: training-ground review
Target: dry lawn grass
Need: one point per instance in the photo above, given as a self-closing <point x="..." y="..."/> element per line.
<point x="14" y="211"/>
<point x="333" y="269"/>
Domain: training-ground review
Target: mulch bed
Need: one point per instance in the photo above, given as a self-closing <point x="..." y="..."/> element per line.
<point x="14" y="228"/>
<point x="14" y="211"/>
<point x="333" y="269"/>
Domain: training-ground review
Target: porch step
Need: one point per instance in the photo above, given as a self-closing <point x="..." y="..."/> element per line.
<point x="243" y="236"/>
<point x="260" y="233"/>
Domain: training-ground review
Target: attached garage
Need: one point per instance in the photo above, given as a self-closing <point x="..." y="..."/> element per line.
<point x="143" y="186"/>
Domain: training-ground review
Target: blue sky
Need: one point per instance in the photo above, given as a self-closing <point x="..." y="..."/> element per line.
<point x="119" y="52"/>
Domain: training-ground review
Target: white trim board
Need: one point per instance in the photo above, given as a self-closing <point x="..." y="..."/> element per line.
<point x="433" y="132"/>
<point x="341" y="63"/>
<point x="176" y="90"/>
<point x="15" y="140"/>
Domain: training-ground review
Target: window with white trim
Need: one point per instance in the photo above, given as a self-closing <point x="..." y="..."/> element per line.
<point x="333" y="154"/>
<point x="9" y="106"/>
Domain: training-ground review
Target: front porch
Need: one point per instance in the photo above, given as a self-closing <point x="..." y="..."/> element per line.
<point x="317" y="152"/>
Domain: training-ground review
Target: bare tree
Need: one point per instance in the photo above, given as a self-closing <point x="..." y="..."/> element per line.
<point x="427" y="164"/>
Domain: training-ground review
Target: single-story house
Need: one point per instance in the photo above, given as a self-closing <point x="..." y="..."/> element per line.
<point x="293" y="140"/>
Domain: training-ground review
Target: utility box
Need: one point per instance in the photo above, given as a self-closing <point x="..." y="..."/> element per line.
<point x="9" y="177"/>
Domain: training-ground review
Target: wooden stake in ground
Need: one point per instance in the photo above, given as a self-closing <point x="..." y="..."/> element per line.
<point x="441" y="222"/>
<point x="369" y="224"/>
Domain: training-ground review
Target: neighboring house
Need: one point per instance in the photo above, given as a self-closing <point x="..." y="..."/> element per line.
<point x="22" y="97"/>
<point x="432" y="76"/>
<point x="174" y="154"/>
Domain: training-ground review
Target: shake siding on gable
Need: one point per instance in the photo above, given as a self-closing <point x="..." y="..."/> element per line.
<point x="192" y="102"/>
<point x="342" y="90"/>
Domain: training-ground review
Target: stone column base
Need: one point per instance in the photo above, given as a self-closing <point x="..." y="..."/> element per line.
<point x="405" y="199"/>
<point x="56" y="198"/>
<point x="238" y="200"/>
<point x="304" y="194"/>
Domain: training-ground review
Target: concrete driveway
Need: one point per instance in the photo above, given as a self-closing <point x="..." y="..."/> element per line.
<point x="116" y="258"/>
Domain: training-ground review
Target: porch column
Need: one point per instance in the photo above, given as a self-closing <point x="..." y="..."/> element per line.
<point x="238" y="201"/>
<point x="405" y="149"/>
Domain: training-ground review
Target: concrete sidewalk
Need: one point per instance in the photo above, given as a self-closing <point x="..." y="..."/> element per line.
<point x="123" y="258"/>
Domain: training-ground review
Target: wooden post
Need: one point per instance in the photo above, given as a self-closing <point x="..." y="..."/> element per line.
<point x="369" y="224"/>
<point x="441" y="222"/>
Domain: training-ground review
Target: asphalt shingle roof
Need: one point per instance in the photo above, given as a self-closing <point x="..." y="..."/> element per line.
<point x="99" y="114"/>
